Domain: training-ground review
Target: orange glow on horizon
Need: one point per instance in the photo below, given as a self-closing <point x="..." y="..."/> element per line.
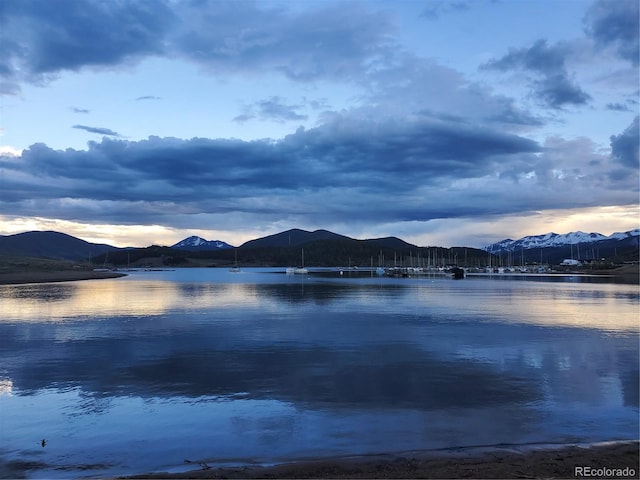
<point x="473" y="232"/>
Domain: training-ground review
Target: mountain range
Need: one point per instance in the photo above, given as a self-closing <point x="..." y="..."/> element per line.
<point x="323" y="246"/>
<point x="553" y="248"/>
<point x="557" y="240"/>
<point x="199" y="243"/>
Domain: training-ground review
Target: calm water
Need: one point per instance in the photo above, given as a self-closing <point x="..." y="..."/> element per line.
<point x="144" y="372"/>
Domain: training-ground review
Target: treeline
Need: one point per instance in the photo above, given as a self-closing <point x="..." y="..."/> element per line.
<point x="362" y="253"/>
<point x="316" y="254"/>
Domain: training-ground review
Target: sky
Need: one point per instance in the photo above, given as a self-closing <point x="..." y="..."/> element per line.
<point x="450" y="123"/>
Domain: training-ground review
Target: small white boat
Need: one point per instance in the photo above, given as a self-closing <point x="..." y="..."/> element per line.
<point x="297" y="270"/>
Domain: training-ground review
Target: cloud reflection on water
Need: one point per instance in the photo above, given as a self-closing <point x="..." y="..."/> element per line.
<point x="585" y="305"/>
<point x="297" y="366"/>
<point x="348" y="343"/>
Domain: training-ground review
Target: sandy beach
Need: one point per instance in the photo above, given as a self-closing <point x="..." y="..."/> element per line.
<point x="609" y="460"/>
<point x="35" y="276"/>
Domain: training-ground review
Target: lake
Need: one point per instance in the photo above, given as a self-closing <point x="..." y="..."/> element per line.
<point x="141" y="373"/>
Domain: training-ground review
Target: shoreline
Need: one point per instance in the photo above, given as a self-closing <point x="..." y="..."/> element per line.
<point x="47" y="276"/>
<point x="25" y="277"/>
<point x="532" y="461"/>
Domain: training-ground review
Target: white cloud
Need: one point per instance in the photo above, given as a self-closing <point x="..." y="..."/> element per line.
<point x="10" y="151"/>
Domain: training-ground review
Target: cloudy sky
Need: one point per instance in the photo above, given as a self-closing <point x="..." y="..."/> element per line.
<point x="457" y="122"/>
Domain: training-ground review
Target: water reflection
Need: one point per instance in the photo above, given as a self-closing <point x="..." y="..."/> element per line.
<point x="380" y="370"/>
<point x="603" y="306"/>
<point x="297" y="367"/>
<point x="41" y="292"/>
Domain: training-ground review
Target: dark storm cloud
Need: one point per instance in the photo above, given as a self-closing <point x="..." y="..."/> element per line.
<point x="42" y="38"/>
<point x="334" y="154"/>
<point x="338" y="169"/>
<point x="98" y="130"/>
<point x="555" y="88"/>
<point x="625" y="147"/>
<point x="348" y="170"/>
<point x="615" y="24"/>
<point x="46" y="37"/>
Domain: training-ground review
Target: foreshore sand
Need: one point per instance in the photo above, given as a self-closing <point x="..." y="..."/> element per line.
<point x="608" y="460"/>
<point x="34" y="276"/>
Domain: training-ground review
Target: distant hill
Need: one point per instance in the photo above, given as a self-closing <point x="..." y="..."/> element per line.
<point x="325" y="248"/>
<point x="297" y="238"/>
<point x="49" y="244"/>
<point x="388" y="242"/>
<point x="199" y="243"/>
<point x="292" y="238"/>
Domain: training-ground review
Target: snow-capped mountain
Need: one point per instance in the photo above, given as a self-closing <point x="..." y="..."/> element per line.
<point x="199" y="243"/>
<point x="625" y="235"/>
<point x="556" y="240"/>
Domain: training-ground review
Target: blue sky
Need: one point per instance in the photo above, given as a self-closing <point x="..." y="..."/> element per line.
<point x="442" y="122"/>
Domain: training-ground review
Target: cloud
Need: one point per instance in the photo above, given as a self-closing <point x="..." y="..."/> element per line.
<point x="416" y="86"/>
<point x="98" y="130"/>
<point x="423" y="141"/>
<point x="9" y="151"/>
<point x="618" y="107"/>
<point x="538" y="58"/>
<point x="555" y="88"/>
<point x="79" y="110"/>
<point x="329" y="41"/>
<point x="43" y="38"/>
<point x="558" y="90"/>
<point x="435" y="8"/>
<point x="625" y="146"/>
<point x="148" y="97"/>
<point x="353" y="169"/>
<point x="244" y="117"/>
<point x="615" y="24"/>
<point x="273" y="109"/>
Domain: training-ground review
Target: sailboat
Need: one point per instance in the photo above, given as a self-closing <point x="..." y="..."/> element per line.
<point x="235" y="268"/>
<point x="298" y="270"/>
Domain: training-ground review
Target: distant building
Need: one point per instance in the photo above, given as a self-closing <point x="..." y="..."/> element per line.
<point x="570" y="262"/>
